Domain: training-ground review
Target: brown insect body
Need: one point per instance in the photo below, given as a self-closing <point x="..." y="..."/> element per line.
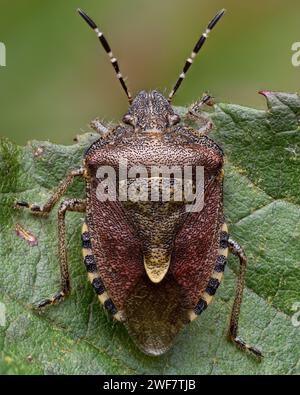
<point x="124" y="233"/>
<point x="154" y="264"/>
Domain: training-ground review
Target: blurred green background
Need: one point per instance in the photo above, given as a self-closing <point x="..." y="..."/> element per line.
<point x="58" y="77"/>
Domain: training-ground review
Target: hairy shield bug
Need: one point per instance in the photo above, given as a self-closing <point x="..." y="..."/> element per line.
<point x="154" y="262"/>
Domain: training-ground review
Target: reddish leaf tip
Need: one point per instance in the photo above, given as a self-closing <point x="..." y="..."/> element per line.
<point x="264" y="93"/>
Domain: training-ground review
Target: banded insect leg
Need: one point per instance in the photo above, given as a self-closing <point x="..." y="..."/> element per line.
<point x="67" y="205"/>
<point x="195" y="114"/>
<point x="57" y="194"/>
<point x="237" y="250"/>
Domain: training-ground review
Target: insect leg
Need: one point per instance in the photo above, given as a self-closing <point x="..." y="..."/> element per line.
<point x="66" y="205"/>
<point x="233" y="328"/>
<point x="194" y="113"/>
<point x="99" y="127"/>
<point x="196" y="107"/>
<point x="58" y="193"/>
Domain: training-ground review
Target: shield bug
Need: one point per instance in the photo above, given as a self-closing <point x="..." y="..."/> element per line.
<point x="154" y="265"/>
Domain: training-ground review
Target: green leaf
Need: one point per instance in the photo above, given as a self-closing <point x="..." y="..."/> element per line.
<point x="262" y="208"/>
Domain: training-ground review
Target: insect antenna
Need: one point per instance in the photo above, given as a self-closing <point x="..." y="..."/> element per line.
<point x="108" y="50"/>
<point x="196" y="49"/>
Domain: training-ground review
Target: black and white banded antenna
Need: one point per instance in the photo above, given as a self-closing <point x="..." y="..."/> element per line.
<point x="195" y="51"/>
<point x="108" y="50"/>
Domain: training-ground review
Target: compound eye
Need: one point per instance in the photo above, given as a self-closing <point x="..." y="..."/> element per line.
<point x="174" y="119"/>
<point x="129" y="119"/>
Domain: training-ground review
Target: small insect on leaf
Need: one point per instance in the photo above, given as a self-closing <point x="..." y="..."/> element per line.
<point x="26" y="235"/>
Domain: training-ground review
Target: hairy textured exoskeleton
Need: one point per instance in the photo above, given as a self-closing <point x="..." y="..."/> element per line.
<point x="154" y="265"/>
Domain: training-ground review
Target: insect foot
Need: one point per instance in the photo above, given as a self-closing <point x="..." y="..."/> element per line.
<point x="56" y="299"/>
<point x="34" y="208"/>
<point x="242" y="345"/>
